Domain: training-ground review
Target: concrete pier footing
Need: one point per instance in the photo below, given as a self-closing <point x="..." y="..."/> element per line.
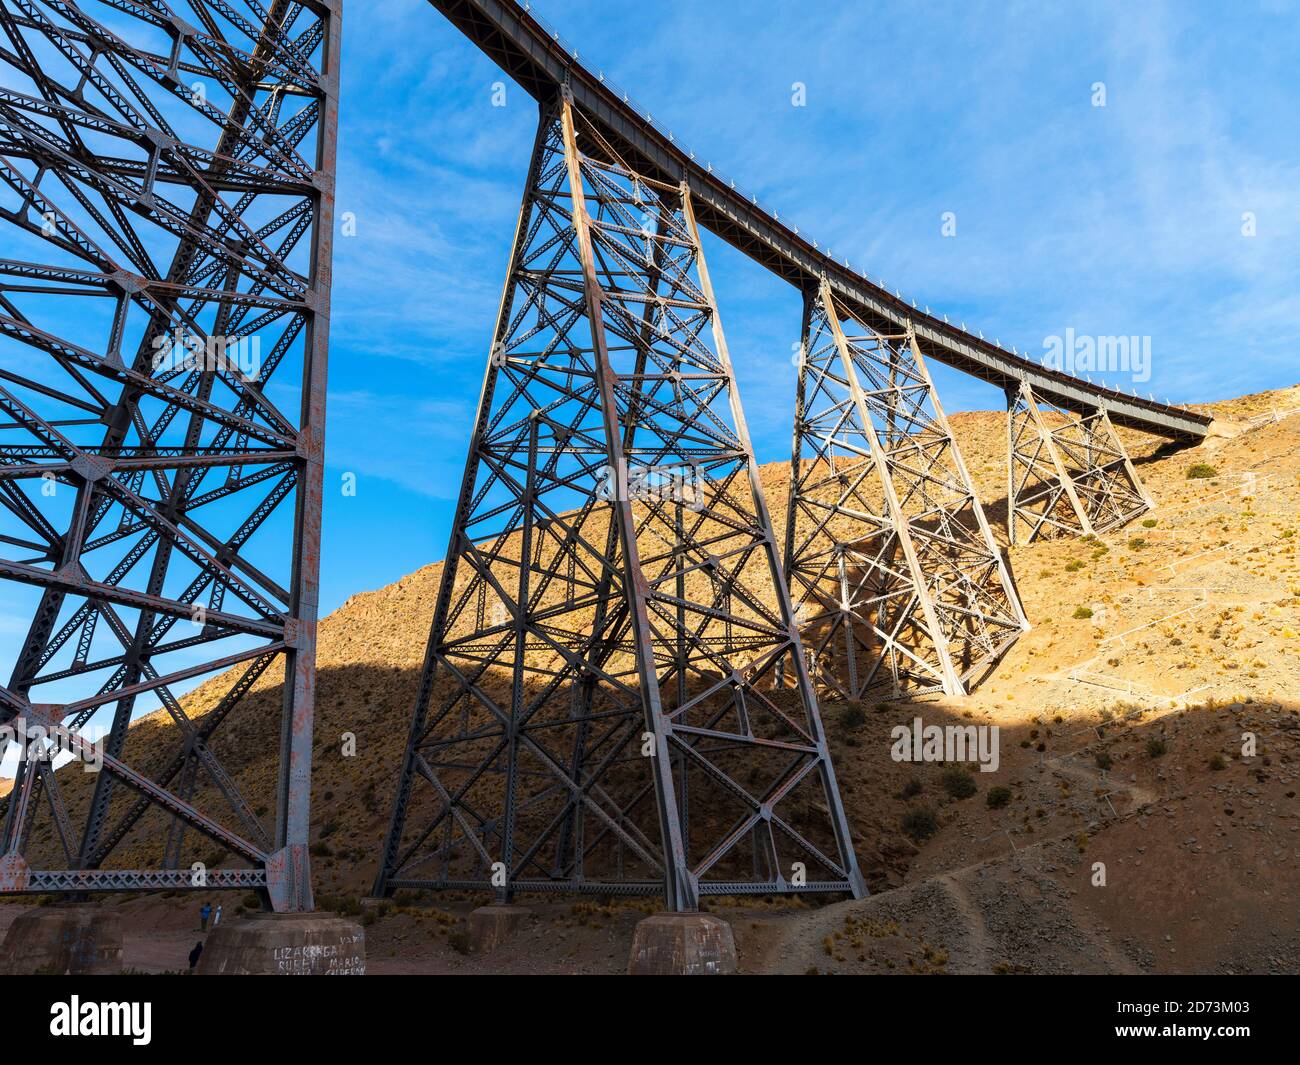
<point x="490" y="926"/>
<point x="285" y="944"/>
<point x="682" y="944"/>
<point x="65" y="939"/>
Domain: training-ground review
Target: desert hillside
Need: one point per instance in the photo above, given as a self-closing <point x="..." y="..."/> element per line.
<point x="1124" y="712"/>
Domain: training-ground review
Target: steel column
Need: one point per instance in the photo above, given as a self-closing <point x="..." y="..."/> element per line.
<point x="179" y="177"/>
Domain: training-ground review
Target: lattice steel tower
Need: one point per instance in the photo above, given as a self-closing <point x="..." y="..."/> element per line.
<point x="597" y="710"/>
<point x="166" y="189"/>
<point x="1067" y="474"/>
<point x="899" y="585"/>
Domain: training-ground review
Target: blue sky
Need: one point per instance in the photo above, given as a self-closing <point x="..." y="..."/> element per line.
<point x="1125" y="219"/>
<point x="1118" y="220"/>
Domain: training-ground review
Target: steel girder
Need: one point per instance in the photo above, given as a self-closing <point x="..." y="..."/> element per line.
<point x="597" y="711"/>
<point x="166" y="190"/>
<point x="899" y="585"/>
<point x="1067" y="474"/>
<point x="509" y="34"/>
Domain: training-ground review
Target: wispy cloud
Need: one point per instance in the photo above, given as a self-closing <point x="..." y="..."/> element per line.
<point x="1125" y="219"/>
<point x="413" y="442"/>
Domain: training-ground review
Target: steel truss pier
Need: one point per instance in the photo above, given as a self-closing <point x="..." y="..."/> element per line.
<point x="899" y="585"/>
<point x="597" y="712"/>
<point x="166" y="196"/>
<point x="1067" y="474"/>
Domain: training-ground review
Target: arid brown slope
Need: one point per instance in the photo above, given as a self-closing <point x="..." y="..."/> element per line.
<point x="1185" y="639"/>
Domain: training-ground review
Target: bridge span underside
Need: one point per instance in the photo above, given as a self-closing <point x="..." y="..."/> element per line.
<point x="529" y="54"/>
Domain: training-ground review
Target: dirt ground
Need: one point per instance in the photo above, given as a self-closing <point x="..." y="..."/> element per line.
<point x="1145" y="818"/>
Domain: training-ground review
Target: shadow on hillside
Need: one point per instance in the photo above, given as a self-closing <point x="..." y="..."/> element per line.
<point x="1054" y="779"/>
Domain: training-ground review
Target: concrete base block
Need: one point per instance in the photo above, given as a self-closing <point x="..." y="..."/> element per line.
<point x="285" y="944"/>
<point x="490" y="926"/>
<point x="75" y="939"/>
<point x="682" y="944"/>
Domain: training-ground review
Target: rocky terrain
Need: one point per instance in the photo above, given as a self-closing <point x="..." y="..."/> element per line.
<point x="1143" y="817"/>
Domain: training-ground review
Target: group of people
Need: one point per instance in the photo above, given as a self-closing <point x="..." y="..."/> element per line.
<point x="205" y="913"/>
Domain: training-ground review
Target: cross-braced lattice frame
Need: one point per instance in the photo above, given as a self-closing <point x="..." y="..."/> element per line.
<point x="1068" y="474"/>
<point x="597" y="710"/>
<point x="166" y="196"/>
<point x="899" y="585"/>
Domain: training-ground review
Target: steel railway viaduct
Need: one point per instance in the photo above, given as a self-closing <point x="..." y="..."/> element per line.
<point x="624" y="669"/>
<point x="532" y="56"/>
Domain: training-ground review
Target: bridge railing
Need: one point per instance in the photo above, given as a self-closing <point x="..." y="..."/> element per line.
<point x="646" y="115"/>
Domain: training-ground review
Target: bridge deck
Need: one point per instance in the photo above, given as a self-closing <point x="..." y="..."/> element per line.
<point x="529" y="54"/>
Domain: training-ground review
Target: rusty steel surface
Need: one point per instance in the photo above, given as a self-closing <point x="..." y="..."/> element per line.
<point x="166" y="202"/>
